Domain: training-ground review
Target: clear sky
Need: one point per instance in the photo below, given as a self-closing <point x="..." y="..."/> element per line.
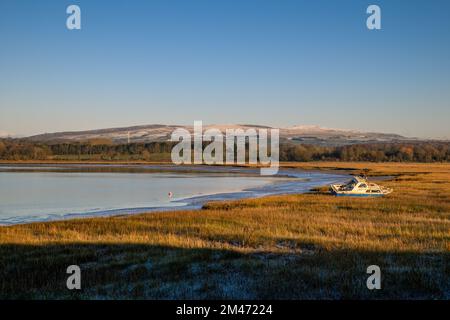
<point x="273" y="62"/>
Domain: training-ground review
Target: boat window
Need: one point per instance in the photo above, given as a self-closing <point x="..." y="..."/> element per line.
<point x="363" y="185"/>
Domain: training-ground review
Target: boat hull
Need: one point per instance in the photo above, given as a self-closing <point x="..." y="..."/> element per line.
<point x="362" y="195"/>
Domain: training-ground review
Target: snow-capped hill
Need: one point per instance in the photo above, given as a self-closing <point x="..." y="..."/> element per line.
<point x="159" y="132"/>
<point x="315" y="128"/>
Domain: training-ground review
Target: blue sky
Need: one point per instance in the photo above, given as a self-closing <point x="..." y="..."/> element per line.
<point x="273" y="62"/>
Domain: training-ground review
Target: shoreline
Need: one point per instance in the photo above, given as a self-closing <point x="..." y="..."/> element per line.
<point x="299" y="246"/>
<point x="340" y="170"/>
<point x="299" y="184"/>
<point x="239" y="249"/>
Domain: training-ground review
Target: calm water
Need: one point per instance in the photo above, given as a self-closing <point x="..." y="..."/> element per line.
<point x="29" y="195"/>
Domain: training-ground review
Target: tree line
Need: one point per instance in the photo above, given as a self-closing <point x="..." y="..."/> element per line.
<point x="22" y="149"/>
<point x="373" y="152"/>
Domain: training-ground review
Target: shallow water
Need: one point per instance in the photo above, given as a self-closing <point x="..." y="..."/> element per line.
<point x="27" y="195"/>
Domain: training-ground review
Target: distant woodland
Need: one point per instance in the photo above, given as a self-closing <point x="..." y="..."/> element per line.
<point x="99" y="150"/>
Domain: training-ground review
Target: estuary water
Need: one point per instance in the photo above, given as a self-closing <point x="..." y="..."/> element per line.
<point x="43" y="193"/>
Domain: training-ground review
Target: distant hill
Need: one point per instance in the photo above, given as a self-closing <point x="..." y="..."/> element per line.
<point x="158" y="132"/>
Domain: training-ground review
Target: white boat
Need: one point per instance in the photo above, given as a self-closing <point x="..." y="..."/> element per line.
<point x="359" y="187"/>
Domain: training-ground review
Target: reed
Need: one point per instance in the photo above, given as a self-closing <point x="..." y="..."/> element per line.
<point x="310" y="246"/>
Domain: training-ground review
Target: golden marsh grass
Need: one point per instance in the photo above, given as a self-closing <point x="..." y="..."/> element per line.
<point x="312" y="246"/>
